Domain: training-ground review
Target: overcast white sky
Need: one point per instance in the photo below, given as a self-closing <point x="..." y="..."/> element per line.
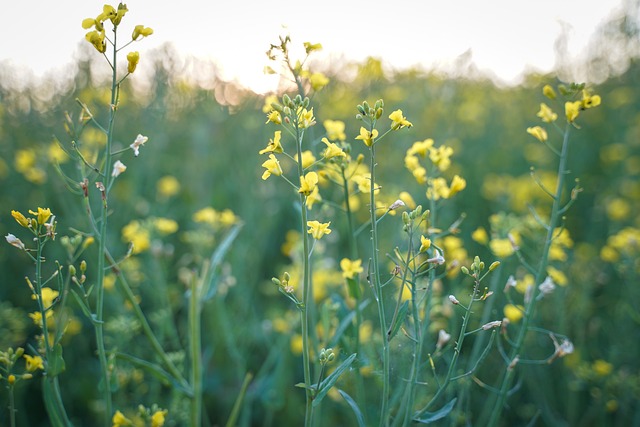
<point x="505" y="36"/>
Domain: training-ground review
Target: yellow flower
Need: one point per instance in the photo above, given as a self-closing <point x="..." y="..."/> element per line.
<point x="206" y="215"/>
<point x="132" y="61"/>
<point x="96" y="38"/>
<point x="557" y="276"/>
<point x="332" y="150"/>
<point x="501" y="248"/>
<point x="274" y="145"/>
<point x="589" y="101"/>
<point x="274" y="117"/>
<point x="137" y="235"/>
<point x="367" y="137"/>
<point x="108" y="12"/>
<point x="34" y="363"/>
<point x="22" y="220"/>
<point x="122" y="9"/>
<point x="602" y="368"/>
<point x="318" y="81"/>
<point x="421" y="148"/>
<point x="307" y="159"/>
<point x="424" y="244"/>
<point x="141" y="30"/>
<point x="335" y="130"/>
<point x="571" y="110"/>
<point x="398" y="121"/>
<point x="157" y="419"/>
<point x="313" y="198"/>
<point x="48" y="296"/>
<point x="119" y="420"/>
<point x="318" y="229"/>
<point x="308" y="183"/>
<point x="546" y="114"/>
<point x="437" y="189"/>
<point x="165" y="225"/>
<point x="440" y="157"/>
<point x="350" y="268"/>
<point x="305" y="118"/>
<point x="538" y="132"/>
<point x="42" y="215"/>
<point x="513" y="312"/>
<point x="480" y="235"/>
<point x="272" y="167"/>
<point x="168" y="186"/>
<point x="548" y="91"/>
<point x="457" y="185"/>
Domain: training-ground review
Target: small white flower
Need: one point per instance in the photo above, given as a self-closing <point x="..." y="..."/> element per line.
<point x="118" y="168"/>
<point x="511" y="283"/>
<point x="547" y="286"/>
<point x="395" y="205"/>
<point x="14" y="241"/>
<point x="140" y="140"/>
<point x="443" y="338"/>
<point x="438" y="259"/>
<point x="491" y="325"/>
<point x="453" y="300"/>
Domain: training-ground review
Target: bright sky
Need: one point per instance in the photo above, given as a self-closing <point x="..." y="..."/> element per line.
<point x="505" y="36"/>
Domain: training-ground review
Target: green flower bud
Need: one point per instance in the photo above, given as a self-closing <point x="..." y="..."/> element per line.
<point x="494" y="265"/>
<point x="72" y="270"/>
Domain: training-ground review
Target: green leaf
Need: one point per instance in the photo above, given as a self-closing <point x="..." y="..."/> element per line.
<point x="328" y="382"/>
<point x="429" y="417"/>
<point x="216" y="259"/>
<point x="83" y="306"/>
<point x="55" y="364"/>
<point x="402" y="314"/>
<point x="156" y="371"/>
<point x="354" y="406"/>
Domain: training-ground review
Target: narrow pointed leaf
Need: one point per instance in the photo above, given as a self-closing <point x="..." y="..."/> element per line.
<point x="328" y="382"/>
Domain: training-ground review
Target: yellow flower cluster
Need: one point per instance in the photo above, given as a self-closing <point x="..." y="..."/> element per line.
<point x="97" y="36"/>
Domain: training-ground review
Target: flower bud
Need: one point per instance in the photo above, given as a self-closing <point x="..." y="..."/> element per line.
<point x="454" y="300"/>
<point x="465" y="270"/>
<point x="494" y="265"/>
<point x="83" y="266"/>
<point x="72" y="270"/>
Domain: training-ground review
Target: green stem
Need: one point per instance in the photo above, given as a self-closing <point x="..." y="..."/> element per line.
<point x="377" y="288"/>
<point x="541" y="272"/>
<point x="353" y="249"/>
<point x="195" y="335"/>
<point x="457" y="350"/>
<point x="12" y="407"/>
<point x="102" y="355"/>
<point x="306" y="291"/>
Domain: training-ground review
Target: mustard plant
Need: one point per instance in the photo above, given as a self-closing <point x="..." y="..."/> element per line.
<point x="42" y="225"/>
<point x="576" y="99"/>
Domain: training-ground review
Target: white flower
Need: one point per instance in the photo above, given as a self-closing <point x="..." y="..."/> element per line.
<point x="511" y="283"/>
<point x="491" y="325"/>
<point x="118" y="168"/>
<point x="443" y="338"/>
<point x="453" y="300"/>
<point x="14" y="241"/>
<point x="438" y="259"/>
<point x="547" y="286"/>
<point x="140" y="140"/>
<point x="395" y="205"/>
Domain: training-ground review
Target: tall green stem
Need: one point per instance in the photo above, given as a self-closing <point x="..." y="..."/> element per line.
<point x="306" y="294"/>
<point x="377" y="289"/>
<point x="196" y="362"/>
<point x="102" y="355"/>
<point x="541" y="272"/>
